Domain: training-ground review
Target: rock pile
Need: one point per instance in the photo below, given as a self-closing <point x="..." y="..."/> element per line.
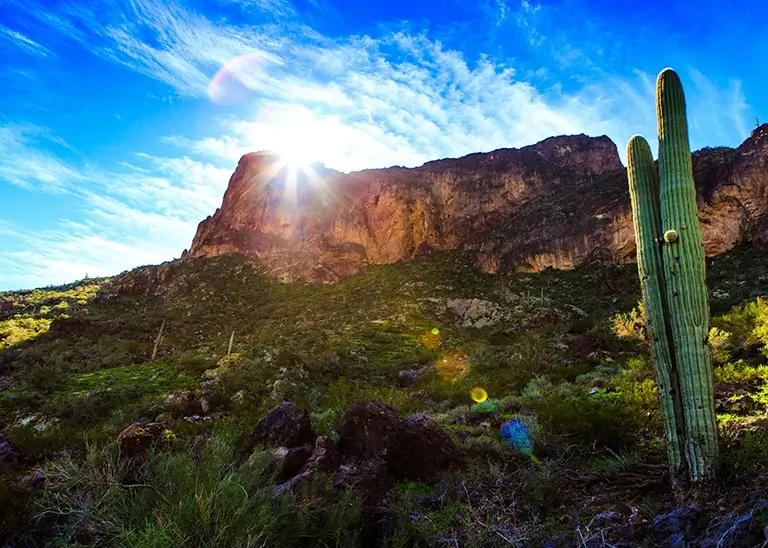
<point x="375" y="448"/>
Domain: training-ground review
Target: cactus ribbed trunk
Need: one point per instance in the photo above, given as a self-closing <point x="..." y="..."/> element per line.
<point x="646" y="217"/>
<point x="671" y="265"/>
<point x="686" y="289"/>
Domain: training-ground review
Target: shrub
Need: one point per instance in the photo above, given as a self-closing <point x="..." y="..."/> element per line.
<point x="608" y="419"/>
<point x="748" y="324"/>
<point x="719" y="342"/>
<point x="631" y="325"/>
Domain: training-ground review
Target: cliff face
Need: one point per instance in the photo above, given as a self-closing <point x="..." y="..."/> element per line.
<point x="560" y="203"/>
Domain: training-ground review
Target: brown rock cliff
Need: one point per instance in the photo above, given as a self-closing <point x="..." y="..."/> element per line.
<point x="559" y="203"/>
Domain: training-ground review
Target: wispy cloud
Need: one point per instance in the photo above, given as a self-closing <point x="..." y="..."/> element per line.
<point x="23" y="42"/>
<point x="26" y="159"/>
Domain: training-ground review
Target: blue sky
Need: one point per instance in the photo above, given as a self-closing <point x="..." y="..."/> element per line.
<point x="114" y="143"/>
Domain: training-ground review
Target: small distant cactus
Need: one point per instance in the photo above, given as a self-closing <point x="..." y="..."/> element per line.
<point x="671" y="266"/>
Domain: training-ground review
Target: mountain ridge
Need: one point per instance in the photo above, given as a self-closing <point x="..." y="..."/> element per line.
<point x="559" y="203"/>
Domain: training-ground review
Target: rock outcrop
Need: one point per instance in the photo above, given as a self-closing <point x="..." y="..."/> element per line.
<point x="560" y="203"/>
<point x="376" y="448"/>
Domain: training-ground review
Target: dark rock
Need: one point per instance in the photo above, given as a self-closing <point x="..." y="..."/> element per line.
<point x="69" y="325"/>
<point x="8" y="457"/>
<point x="369" y="478"/>
<point x="681" y="520"/>
<point x="414" y="449"/>
<point x="368" y="430"/>
<point x="325" y="455"/>
<point x="137" y="439"/>
<point x="5" y="307"/>
<point x="285" y="425"/>
<point x="294" y="484"/>
<point x="286" y="462"/>
<point x="422" y="450"/>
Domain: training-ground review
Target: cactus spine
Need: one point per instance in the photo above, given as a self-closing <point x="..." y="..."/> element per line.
<point x="671" y="267"/>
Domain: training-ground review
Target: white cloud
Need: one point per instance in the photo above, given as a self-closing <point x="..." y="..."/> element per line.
<point x="715" y="111"/>
<point x="143" y="212"/>
<point x="22" y="41"/>
<point x="24" y="162"/>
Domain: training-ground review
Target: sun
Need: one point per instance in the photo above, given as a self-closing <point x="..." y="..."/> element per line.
<point x="296" y="157"/>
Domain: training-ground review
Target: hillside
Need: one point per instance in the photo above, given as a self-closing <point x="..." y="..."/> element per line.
<point x="558" y="350"/>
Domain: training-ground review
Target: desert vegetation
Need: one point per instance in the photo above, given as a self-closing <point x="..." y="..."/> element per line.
<point x="551" y="350"/>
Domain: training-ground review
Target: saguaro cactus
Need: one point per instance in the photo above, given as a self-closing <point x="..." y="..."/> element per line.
<point x="670" y="258"/>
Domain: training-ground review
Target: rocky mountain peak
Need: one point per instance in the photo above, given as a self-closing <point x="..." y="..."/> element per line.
<point x="559" y="203"/>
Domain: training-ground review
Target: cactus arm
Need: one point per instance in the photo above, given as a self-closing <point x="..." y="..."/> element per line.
<point x="646" y="218"/>
<point x="684" y="271"/>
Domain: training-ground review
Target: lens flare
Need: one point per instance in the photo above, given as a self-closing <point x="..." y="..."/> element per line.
<point x="453" y="364"/>
<point x="515" y="433"/>
<point x="235" y="80"/>
<point x="478" y="394"/>
<point x="432" y="339"/>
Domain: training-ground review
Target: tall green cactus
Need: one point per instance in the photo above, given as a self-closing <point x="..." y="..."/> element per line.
<point x="646" y="217"/>
<point x="671" y="266"/>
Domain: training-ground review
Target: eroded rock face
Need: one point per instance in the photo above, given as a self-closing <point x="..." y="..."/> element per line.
<point x="557" y="204"/>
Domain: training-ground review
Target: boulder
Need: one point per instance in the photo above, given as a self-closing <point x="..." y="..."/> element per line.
<point x="413" y="449"/>
<point x="137" y="439"/>
<point x="324" y="458"/>
<point x="369" y="429"/>
<point x="223" y="366"/>
<point x="409" y="377"/>
<point x="185" y="403"/>
<point x="422" y="450"/>
<point x="285" y="425"/>
<point x="683" y="520"/>
<point x="476" y="313"/>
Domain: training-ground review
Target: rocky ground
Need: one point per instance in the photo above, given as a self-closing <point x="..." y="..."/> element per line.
<point x="341" y="415"/>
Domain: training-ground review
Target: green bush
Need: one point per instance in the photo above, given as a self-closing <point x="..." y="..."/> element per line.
<point x="748" y="450"/>
<point x="611" y="419"/>
<point x="747" y="324"/>
<point x="630" y="325"/>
